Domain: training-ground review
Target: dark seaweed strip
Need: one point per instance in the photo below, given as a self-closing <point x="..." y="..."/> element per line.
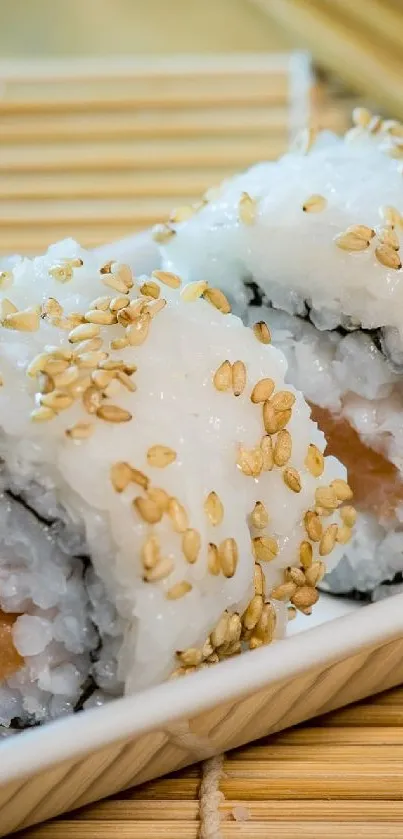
<point x="22" y="501"/>
<point x="88" y="689"/>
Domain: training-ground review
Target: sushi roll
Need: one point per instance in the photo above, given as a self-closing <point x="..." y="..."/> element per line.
<point x="165" y="501"/>
<point x="310" y="244"/>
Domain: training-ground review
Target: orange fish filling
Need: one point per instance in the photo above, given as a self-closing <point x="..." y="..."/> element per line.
<point x="375" y="481"/>
<point x="10" y="659"/>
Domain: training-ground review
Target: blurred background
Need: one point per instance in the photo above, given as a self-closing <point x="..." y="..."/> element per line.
<point x="112" y="112"/>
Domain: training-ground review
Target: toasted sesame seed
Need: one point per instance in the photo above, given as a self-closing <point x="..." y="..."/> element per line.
<point x="66" y="378"/>
<point x="217" y="299"/>
<point x="342" y="489"/>
<point x="323" y="512"/>
<point x="207" y="649"/>
<point x="61" y="273"/>
<point x="124" y="272"/>
<point x="191" y="544"/>
<point x="139" y="478"/>
<point x="55" y="366"/>
<point x="126" y="381"/>
<point x="362" y="231"/>
<point x="6" y="279"/>
<point x="42" y="414"/>
<point x="262" y="332"/>
<point x="83" y="332"/>
<point x="213" y="562"/>
<point x="102" y="303"/>
<point x="315" y="573"/>
<point x="113" y="281"/>
<point x="348" y="515"/>
<point x="159" y="496"/>
<point x="58" y="400"/>
<point x="234" y="628"/>
<point x="161" y="571"/>
<point x="178" y="515"/>
<point x="112" y="389"/>
<point x="52" y="308"/>
<point x="313" y="525"/>
<point x="131" y="313"/>
<point x="71" y="321"/>
<point x="220" y="632"/>
<point x="192" y="291"/>
<point x="27" y="320"/>
<point x="222" y="378"/>
<point x="228" y="557"/>
<point x="118" y="303"/>
<point x="78" y="388"/>
<point x="259" y="579"/>
<point x="282" y="448"/>
<point x="314" y="204"/>
<point x="182" y="213"/>
<point x="37" y="365"/>
<point x="250" y="461"/>
<point x="304" y="597"/>
<point x="391" y="216"/>
<point x="150" y="289"/>
<point x="45" y="383"/>
<point x="90" y="345"/>
<point x="120" y="475"/>
<point x="102" y="378"/>
<point x="387" y="236"/>
<point x="238" y="377"/>
<point x="148" y="509"/>
<point x="168" y="278"/>
<point x="292" y="479"/>
<point x="150" y="552"/>
<point x="266" y="626"/>
<point x="160" y="456"/>
<point x="92" y="399"/>
<point x="214" y="509"/>
<point x="80" y="431"/>
<point x="326" y="497"/>
<point x="259" y="516"/>
<point x="295" y="575"/>
<point x="291" y="613"/>
<point x="344" y="535"/>
<point x="305" y="554"/>
<point x="162" y="233"/>
<point x="388" y="257"/>
<point x="265" y="548"/>
<point x="178" y="590"/>
<point x="247" y="208"/>
<point x="100" y="316"/>
<point x="113" y="413"/>
<point x="253" y="612"/>
<point x="328" y="540"/>
<point x="90" y="360"/>
<point x="351" y="242"/>
<point x="112" y="364"/>
<point x="119" y="343"/>
<point x="266" y="447"/>
<point x="314" y="461"/>
<point x="255" y="643"/>
<point x="157" y="307"/>
<point x="262" y="391"/>
<point x="137" y="332"/>
<point x="274" y="420"/>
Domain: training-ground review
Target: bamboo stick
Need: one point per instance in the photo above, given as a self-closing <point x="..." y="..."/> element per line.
<point x="379" y="17"/>
<point x="330" y="735"/>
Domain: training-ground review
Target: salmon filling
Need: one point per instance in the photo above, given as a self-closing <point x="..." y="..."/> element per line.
<point x="10" y="659"/>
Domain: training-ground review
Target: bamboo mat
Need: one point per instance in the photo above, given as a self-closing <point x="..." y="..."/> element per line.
<point x="339" y="776"/>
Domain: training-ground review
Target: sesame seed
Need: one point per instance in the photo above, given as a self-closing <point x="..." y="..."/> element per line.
<point x="192" y="291"/>
<point x="57" y="400"/>
<point x="326" y="497"/>
<point x="295" y="575"/>
<point x="207" y="649"/>
<point x="342" y="489"/>
<point x="150" y="289"/>
<point x="234" y="628"/>
<point x="37" y="364"/>
<point x="119" y="343"/>
<point x="253" y="612"/>
<point x="247" y="209"/>
<point x="344" y="535"/>
<point x="159" y="496"/>
<point x="83" y="332"/>
<point x="92" y="399"/>
<point x="391" y="216"/>
<point x="137" y="332"/>
<point x="90" y="360"/>
<point x="162" y="233"/>
<point x="282" y="448"/>
<point x="126" y="381"/>
<point x="27" y="320"/>
<point x="328" y="540"/>
<point x="191" y="544"/>
<point x="148" y="510"/>
<point x="101" y="317"/>
<point x="114" y="282"/>
<point x="217" y="299"/>
<point x="118" y="303"/>
<point x="259" y="516"/>
<point x="160" y="456"/>
<point x="120" y="475"/>
<point x="323" y="512"/>
<point x="67" y="378"/>
<point x="315" y="573"/>
<point x="55" y="366"/>
<point x="178" y="590"/>
<point x="89" y="345"/>
<point x="42" y="414"/>
<point x="314" y="204"/>
<point x="259" y="579"/>
<point x="262" y="391"/>
<point x="112" y="389"/>
<point x="124" y="272"/>
<point x="222" y="378"/>
<point x="250" y="461"/>
<point x="113" y="413"/>
<point x="314" y="461"/>
<point x="313" y="525"/>
<point x="273" y="419"/>
<point x="102" y="378"/>
<point x="305" y="554"/>
<point x="387" y="236"/>
<point x="262" y="332"/>
<point x="138" y="477"/>
<point x="214" y="509"/>
<point x="150" y="552"/>
<point x="238" y="377"/>
<point x="264" y="631"/>
<point x="348" y="515"/>
<point x="52" y="308"/>
<point x="351" y="242"/>
<point x="113" y="364"/>
<point x="178" y="515"/>
<point x="291" y="613"/>
<point x="213" y="562"/>
<point x="265" y="548"/>
<point x="102" y="303"/>
<point x="266" y="447"/>
<point x="45" y="383"/>
<point x="228" y="557"/>
<point x="255" y="642"/>
<point x="157" y="307"/>
<point x="361" y="117"/>
<point x="169" y="279"/>
<point x="61" y="273"/>
<point x="292" y="479"/>
<point x="78" y="388"/>
<point x="388" y="257"/>
<point x="161" y="571"/>
<point x="220" y="632"/>
<point x="190" y="657"/>
<point x="362" y="231"/>
<point x="80" y="431"/>
<point x="182" y="213"/>
<point x="304" y="597"/>
<point x="6" y="279"/>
